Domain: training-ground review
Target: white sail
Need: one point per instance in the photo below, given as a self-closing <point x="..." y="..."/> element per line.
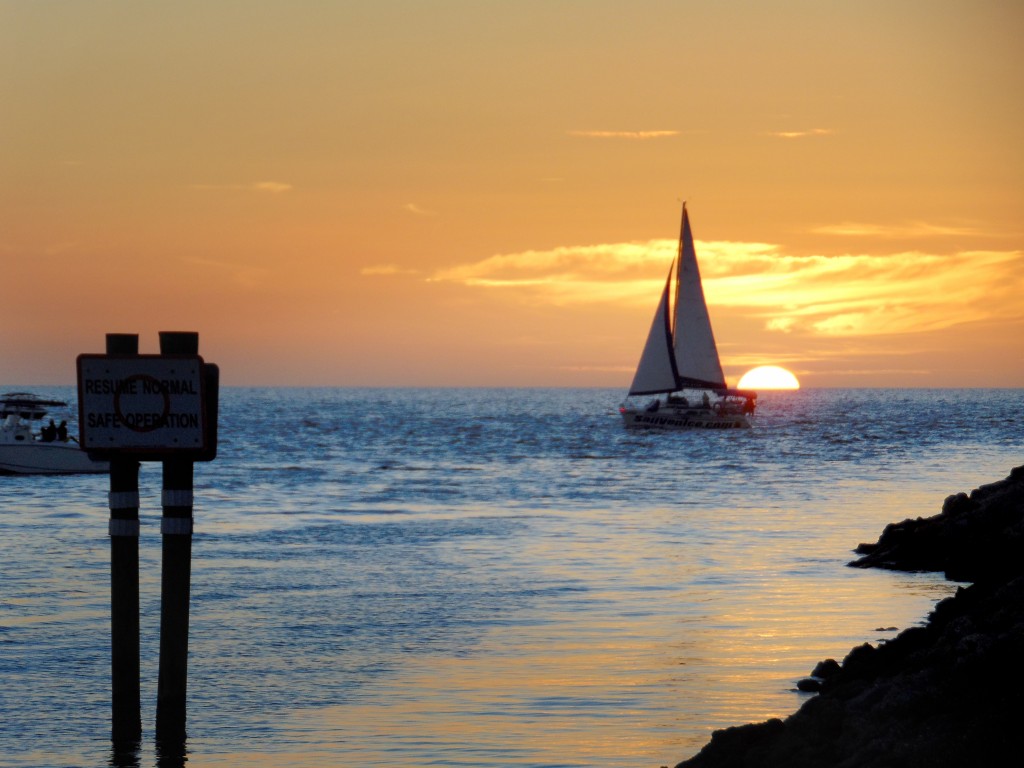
<point x="680" y="351"/>
<point x="680" y="354"/>
<point x="656" y="371"/>
<point x="696" y="355"/>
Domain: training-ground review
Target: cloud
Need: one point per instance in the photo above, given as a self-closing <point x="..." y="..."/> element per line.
<point x="817" y="296"/>
<point x="868" y="295"/>
<point x="801" y="134"/>
<point x="386" y="270"/>
<point x="275" y="187"/>
<point x="784" y="324"/>
<point x="415" y="209"/>
<point x="909" y="230"/>
<point x="271" y="186"/>
<point x="622" y="272"/>
<point x="624" y="134"/>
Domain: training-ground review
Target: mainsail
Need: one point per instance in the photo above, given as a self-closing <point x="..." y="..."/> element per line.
<point x="680" y="351"/>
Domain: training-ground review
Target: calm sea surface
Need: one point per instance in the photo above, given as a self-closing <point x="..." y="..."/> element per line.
<point x="488" y="577"/>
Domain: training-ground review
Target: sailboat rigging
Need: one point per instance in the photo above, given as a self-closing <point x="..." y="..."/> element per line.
<point x="680" y="358"/>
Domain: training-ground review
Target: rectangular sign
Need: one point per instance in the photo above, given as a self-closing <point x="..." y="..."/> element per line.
<point x="141" y="403"/>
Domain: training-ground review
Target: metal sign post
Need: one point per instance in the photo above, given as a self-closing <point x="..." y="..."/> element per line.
<point x="176" y="580"/>
<point x="136" y="408"/>
<point x="126" y="720"/>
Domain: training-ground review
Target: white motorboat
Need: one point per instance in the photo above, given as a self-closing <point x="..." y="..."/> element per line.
<point x="27" y="449"/>
<point x="680" y="364"/>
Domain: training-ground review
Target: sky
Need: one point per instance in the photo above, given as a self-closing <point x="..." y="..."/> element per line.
<point x="483" y="193"/>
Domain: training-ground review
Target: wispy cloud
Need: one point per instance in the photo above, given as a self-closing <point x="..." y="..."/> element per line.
<point x="814" y="353"/>
<point x="571" y="274"/>
<point x="826" y="296"/>
<point x="909" y="230"/>
<point x="801" y="134"/>
<point x="624" y="134"/>
<point x="275" y="187"/>
<point x="867" y="295"/>
<point x="271" y="186"/>
<point x="386" y="270"/>
<point x="417" y="210"/>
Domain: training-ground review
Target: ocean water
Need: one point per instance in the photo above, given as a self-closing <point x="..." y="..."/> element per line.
<point x="488" y="577"/>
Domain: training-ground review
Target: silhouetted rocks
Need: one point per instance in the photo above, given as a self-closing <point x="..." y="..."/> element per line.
<point x="825" y="669"/>
<point x="950" y="693"/>
<point x="974" y="538"/>
<point x="809" y="685"/>
<point x="821" y="672"/>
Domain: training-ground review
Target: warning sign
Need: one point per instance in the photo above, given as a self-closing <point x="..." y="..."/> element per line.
<point x="141" y="403"/>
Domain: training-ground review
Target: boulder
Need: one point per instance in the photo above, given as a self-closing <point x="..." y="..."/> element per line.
<point x="943" y="695"/>
<point x="975" y="537"/>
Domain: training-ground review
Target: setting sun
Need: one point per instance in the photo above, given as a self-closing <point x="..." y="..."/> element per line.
<point x="768" y="377"/>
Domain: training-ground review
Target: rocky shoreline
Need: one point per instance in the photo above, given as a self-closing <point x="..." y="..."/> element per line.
<point x="949" y="693"/>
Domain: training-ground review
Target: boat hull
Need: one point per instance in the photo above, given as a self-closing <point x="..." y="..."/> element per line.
<point x="48" y="459"/>
<point x="688" y="418"/>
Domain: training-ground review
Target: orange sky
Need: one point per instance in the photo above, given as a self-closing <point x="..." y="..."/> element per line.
<point x="485" y="193"/>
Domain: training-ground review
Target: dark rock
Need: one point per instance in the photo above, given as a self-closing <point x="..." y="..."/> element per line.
<point x="865" y="549"/>
<point x="825" y="669"/>
<point x="809" y="685"/>
<point x="975" y="537"/>
<point x="949" y="693"/>
<point x="861" y="661"/>
<point x="737" y="747"/>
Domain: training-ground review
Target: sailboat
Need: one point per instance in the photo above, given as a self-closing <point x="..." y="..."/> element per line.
<point x="680" y="364"/>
